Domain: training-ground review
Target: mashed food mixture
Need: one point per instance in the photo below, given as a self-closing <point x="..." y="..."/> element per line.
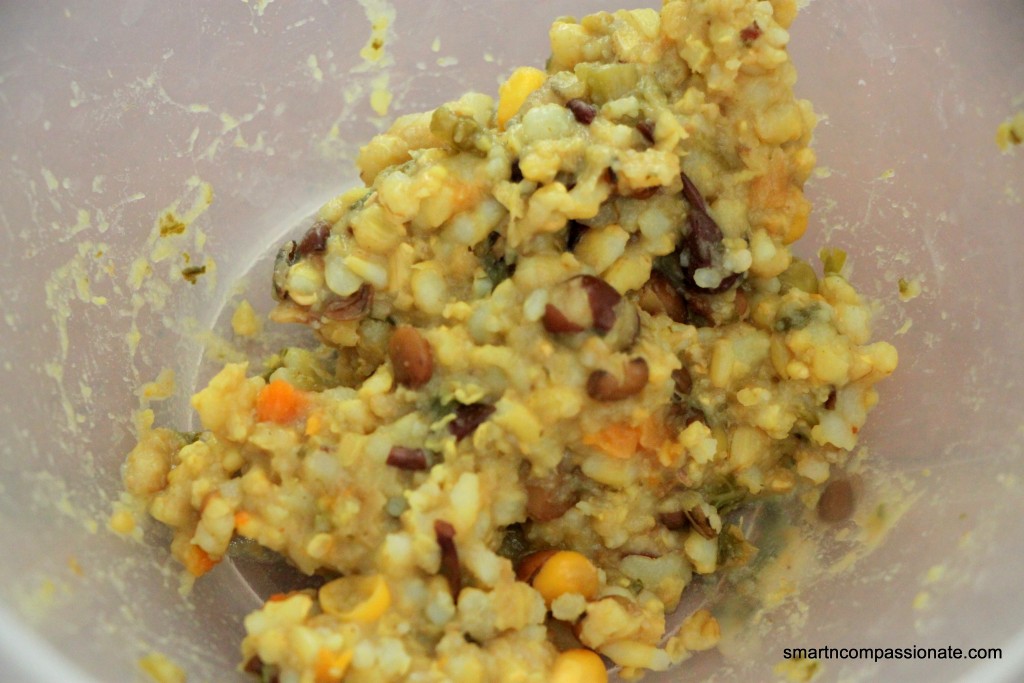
<point x="563" y="336"/>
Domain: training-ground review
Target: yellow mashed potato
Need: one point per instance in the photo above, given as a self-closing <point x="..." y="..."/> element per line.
<point x="562" y="337"/>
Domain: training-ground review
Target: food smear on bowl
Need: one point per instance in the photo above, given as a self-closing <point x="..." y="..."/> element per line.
<point x="1010" y="132"/>
<point x="562" y="337"/>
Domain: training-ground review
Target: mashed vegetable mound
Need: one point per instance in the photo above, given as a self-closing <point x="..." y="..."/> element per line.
<point x="562" y="336"/>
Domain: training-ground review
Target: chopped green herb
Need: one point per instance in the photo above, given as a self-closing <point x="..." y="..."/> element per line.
<point x="724" y="495"/>
<point x="492" y="260"/>
<point x="734" y="550"/>
<point x="796" y="319"/>
<point x="833" y="260"/>
<point x="514" y="544"/>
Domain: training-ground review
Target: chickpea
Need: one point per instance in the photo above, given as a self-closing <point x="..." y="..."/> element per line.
<point x="555" y="573"/>
<point x="579" y="666"/>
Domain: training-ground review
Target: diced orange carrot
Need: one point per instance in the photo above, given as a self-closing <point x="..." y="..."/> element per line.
<point x="198" y="561"/>
<point x="280" y="402"/>
<point x="242" y="518"/>
<point x="653" y="433"/>
<point x="331" y="668"/>
<point x="619" y="440"/>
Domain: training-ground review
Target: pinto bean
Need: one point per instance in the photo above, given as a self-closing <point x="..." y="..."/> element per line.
<point x="411" y="357"/>
<point x="586" y="302"/>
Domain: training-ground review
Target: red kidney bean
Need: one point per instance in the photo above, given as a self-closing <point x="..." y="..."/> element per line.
<point x="468" y="418"/>
<point x="404" y="458"/>
<point x="584" y="111"/>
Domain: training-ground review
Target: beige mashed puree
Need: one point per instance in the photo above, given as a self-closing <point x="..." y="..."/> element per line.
<point x="563" y="335"/>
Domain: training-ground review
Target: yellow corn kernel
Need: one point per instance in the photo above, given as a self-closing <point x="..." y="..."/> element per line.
<point x="356" y="598"/>
<point x="578" y="666"/>
<point x="566" y="572"/>
<point x="515" y="90"/>
<point x="314" y="423"/>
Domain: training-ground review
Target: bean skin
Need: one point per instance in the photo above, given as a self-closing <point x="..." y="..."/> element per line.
<point x="604" y="386"/>
<point x="550" y="497"/>
<point x="703" y="241"/>
<point x="531" y="564"/>
<point x="444" y="532"/>
<point x="646" y="129"/>
<point x="315" y="239"/>
<point x="659" y="297"/>
<point x="351" y="307"/>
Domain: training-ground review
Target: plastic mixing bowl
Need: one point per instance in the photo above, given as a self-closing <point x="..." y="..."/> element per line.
<point x="112" y="112"/>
